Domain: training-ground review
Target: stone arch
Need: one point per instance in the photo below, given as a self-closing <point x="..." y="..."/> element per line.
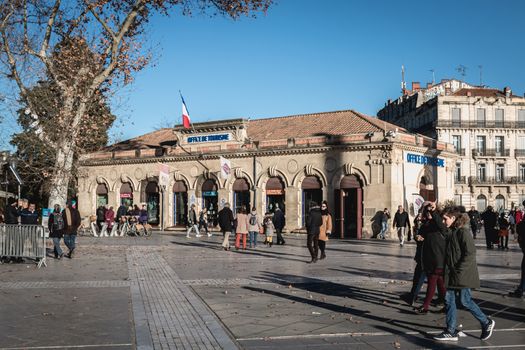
<point x="197" y="184"/>
<point x="99" y="180"/>
<point x="239" y="174"/>
<point x="342" y="172"/>
<point x="301" y="175"/>
<point x="179" y="177"/>
<point x="263" y="178"/>
<point x="125" y="178"/>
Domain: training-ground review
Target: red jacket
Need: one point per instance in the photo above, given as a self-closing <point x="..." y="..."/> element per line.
<point x="110" y="217"/>
<point x="519" y="216"/>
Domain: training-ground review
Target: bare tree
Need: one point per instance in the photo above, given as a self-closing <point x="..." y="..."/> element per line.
<point x="84" y="46"/>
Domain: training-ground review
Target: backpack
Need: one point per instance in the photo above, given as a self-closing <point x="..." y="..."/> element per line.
<point x="58" y="222"/>
<point x="253" y="220"/>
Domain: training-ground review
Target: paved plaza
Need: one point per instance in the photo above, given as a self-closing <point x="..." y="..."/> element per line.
<point x="170" y="292"/>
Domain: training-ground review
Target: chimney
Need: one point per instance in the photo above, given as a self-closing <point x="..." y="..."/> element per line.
<point x="469" y="93"/>
<point x="507" y="90"/>
<point x="416" y="86"/>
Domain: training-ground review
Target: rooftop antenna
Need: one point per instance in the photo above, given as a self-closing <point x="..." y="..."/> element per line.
<point x="433" y="76"/>
<point x="403" y="83"/>
<point x="480" y="75"/>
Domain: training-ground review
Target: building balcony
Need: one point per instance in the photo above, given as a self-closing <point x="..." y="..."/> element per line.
<point x="472" y="124"/>
<point x="489" y="180"/>
<point x="460" y="180"/>
<point x="491" y="152"/>
<point x="461" y="151"/>
<point x="519" y="152"/>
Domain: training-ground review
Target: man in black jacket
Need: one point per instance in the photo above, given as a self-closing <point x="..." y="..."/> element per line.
<point x="401" y="221"/>
<point x="72" y="222"/>
<point x="11" y="212"/>
<point x="225" y="219"/>
<point x="29" y="216"/>
<point x="278" y="223"/>
<point x="313" y="223"/>
<point x="490" y="220"/>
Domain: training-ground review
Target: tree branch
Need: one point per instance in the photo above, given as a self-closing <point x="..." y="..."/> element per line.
<point x="50" y="23"/>
<point x="100" y="20"/>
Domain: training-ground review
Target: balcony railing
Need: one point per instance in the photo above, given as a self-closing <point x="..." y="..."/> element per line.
<point x="460" y="151"/>
<point x="475" y="180"/>
<point x="491" y="152"/>
<point x="460" y="180"/>
<point x="471" y="124"/>
<point x="519" y="152"/>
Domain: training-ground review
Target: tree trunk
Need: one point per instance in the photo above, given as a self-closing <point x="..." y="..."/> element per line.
<point x="61" y="175"/>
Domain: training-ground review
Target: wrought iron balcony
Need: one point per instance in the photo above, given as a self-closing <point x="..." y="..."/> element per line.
<point x="491" y="152"/>
<point x="460" y="180"/>
<point x="489" y="180"/>
<point x="472" y="124"/>
<point x="460" y="151"/>
<point x="519" y="152"/>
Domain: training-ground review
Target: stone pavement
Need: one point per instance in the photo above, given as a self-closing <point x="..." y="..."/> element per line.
<point x="170" y="292"/>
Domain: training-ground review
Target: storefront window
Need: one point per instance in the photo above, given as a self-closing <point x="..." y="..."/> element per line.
<point x="102" y="195"/>
<point x="312" y="193"/>
<point x="210" y="200"/>
<point x="180" y="204"/>
<point x="275" y="194"/>
<point x="241" y="194"/>
<point x="126" y="194"/>
<point x="152" y="202"/>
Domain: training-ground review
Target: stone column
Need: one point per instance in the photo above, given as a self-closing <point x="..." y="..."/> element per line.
<point x="293" y="208"/>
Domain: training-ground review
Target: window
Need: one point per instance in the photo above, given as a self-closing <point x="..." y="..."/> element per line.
<point x="457" y="199"/>
<point x="500" y="172"/>
<point x="456" y="117"/>
<point x="457" y="174"/>
<point x="499" y="144"/>
<point x="480" y="144"/>
<point x="456" y="141"/>
<point x="480" y="117"/>
<point x="481" y="202"/>
<point x="521" y="175"/>
<point x="521" y="118"/>
<point x="499" y="118"/>
<point x="482" y="172"/>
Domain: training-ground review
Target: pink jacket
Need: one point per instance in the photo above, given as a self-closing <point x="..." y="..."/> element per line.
<point x="242" y="223"/>
<point x="519" y="216"/>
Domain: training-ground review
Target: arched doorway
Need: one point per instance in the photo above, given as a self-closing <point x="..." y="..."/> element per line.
<point x="210" y="200"/>
<point x="312" y="192"/>
<point x="349" y="207"/>
<point x="180" y="203"/>
<point x="426" y="189"/>
<point x="102" y="195"/>
<point x="126" y="194"/>
<point x="153" y="202"/>
<point x="499" y="203"/>
<point x="275" y="194"/>
<point x="481" y="203"/>
<point x="241" y="194"/>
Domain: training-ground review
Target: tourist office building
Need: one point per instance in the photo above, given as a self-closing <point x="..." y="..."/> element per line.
<point x="359" y="164"/>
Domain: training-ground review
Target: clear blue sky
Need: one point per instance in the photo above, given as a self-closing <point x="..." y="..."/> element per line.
<point x="308" y="56"/>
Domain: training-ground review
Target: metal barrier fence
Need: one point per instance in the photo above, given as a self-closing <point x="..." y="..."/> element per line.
<point x="23" y="241"/>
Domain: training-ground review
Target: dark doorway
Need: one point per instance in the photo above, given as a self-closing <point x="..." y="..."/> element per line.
<point x="180" y="204"/>
<point x="153" y="203"/>
<point x="312" y="193"/>
<point x="275" y="195"/>
<point x="102" y="195"/>
<point x="349" y="208"/>
<point x="426" y="189"/>
<point x="126" y="195"/>
<point x="241" y="194"/>
<point x="210" y="200"/>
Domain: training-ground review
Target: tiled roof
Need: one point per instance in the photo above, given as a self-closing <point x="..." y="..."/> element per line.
<point x="479" y="92"/>
<point x="316" y="124"/>
<point x="279" y="128"/>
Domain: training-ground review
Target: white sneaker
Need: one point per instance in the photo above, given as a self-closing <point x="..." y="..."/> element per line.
<point x="187" y="236"/>
<point x="198" y="235"/>
<point x="209" y="234"/>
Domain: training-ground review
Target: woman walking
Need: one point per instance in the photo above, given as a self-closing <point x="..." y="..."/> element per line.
<point x="461" y="274"/>
<point x="242" y="228"/>
<point x="203" y="221"/>
<point x="269" y="229"/>
<point x="433" y="254"/>
<point x="326" y="228"/>
<point x="503" y="233"/>
<point x="253" y="227"/>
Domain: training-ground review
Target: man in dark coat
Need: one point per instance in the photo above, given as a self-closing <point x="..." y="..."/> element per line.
<point x="29" y="216"/>
<point x="56" y="230"/>
<point x="401" y="222"/>
<point x="225" y="219"/>
<point x="475" y="221"/>
<point x="490" y="220"/>
<point x="278" y="223"/>
<point x="520" y="230"/>
<point x="313" y="224"/>
<point x="11" y="212"/>
<point x="72" y="222"/>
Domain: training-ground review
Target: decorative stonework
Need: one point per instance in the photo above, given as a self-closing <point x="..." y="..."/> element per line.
<point x="292" y="166"/>
<point x="348" y="168"/>
<point x="138" y="173"/>
<point x="330" y="164"/>
<point x="238" y="173"/>
<point x="272" y="171"/>
<point x="113" y="174"/>
<point x="194" y="171"/>
<point x="309" y="170"/>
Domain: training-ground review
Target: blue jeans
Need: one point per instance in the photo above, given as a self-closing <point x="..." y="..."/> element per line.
<point x="384" y="228"/>
<point x="69" y="240"/>
<point x="253" y="238"/>
<point x="420" y="282"/>
<point x="468" y="304"/>
<point x="56" y="246"/>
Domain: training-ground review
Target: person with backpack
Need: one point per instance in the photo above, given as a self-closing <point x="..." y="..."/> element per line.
<point x="253" y="228"/>
<point x="72" y="222"/>
<point x="269" y="229"/>
<point x="56" y="230"/>
<point x="203" y="221"/>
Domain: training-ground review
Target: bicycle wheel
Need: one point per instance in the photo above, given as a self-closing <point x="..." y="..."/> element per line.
<point x="147" y="231"/>
<point x="140" y="230"/>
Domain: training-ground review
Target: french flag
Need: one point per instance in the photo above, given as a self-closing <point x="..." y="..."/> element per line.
<point x="185" y="115"/>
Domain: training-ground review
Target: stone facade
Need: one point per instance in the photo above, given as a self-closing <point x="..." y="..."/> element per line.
<point x="487" y="128"/>
<point x="371" y="165"/>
